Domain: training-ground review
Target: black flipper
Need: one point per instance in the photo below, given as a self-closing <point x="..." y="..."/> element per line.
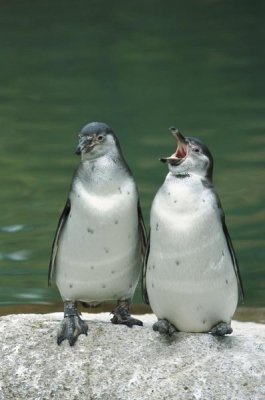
<point x="234" y="261"/>
<point x="142" y="230"/>
<point x="144" y="290"/>
<point x="61" y="223"/>
<point x="231" y="249"/>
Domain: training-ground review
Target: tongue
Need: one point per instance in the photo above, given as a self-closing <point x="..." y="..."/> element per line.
<point x="181" y="152"/>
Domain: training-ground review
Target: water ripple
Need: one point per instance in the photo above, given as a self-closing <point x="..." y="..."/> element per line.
<point x="20" y="255"/>
<point x="12" y="228"/>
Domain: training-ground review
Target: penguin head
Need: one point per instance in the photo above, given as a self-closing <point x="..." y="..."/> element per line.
<point x="191" y="157"/>
<point x="95" y="140"/>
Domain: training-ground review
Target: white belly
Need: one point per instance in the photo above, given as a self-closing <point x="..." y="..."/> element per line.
<point x="190" y="276"/>
<point x="99" y="250"/>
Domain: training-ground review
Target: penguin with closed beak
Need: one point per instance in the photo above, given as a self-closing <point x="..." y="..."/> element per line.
<point x="191" y="277"/>
<point x="100" y="239"/>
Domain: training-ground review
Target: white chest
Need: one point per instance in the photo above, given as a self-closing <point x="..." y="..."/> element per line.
<point x="182" y="207"/>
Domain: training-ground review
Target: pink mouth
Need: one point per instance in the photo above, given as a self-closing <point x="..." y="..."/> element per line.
<point x="182" y="149"/>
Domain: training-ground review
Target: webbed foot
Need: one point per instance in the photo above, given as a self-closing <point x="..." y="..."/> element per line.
<point x="164" y="327"/>
<point x="121" y="315"/>
<point x="72" y="325"/>
<point x="221" y="329"/>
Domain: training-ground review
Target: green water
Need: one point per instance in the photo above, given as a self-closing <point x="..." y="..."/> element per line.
<point x="140" y="66"/>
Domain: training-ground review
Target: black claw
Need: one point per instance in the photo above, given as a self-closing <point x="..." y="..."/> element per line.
<point x="128" y="320"/>
<point x="221" y="329"/>
<point x="71" y="328"/>
<point x="72" y="341"/>
<point x="133" y="321"/>
<point x="122" y="316"/>
<point x="171" y="330"/>
<point x="164" y="327"/>
<point x="137" y="322"/>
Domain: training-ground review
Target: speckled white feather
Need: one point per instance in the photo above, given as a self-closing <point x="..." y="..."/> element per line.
<point x="190" y="277"/>
<point x="98" y="255"/>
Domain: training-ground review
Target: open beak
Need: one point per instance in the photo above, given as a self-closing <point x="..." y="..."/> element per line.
<point x="182" y="149"/>
<point x="86" y="143"/>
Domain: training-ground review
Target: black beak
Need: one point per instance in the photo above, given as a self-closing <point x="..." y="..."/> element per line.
<point x="78" y="150"/>
<point x="84" y="142"/>
<point x="178" y="135"/>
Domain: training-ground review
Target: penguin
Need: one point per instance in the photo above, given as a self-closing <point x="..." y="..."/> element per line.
<point x="191" y="277"/>
<point x="99" y="243"/>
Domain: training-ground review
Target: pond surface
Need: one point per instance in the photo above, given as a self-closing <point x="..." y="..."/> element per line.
<point x="141" y="67"/>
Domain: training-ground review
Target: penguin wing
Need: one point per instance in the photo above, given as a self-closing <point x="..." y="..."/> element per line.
<point x="145" y="244"/>
<point x="234" y="260"/>
<point x="61" y="223"/>
<point x="231" y="249"/>
<point x="144" y="290"/>
<point x="142" y="230"/>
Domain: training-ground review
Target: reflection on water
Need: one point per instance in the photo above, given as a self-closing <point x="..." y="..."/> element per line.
<point x="12" y="228"/>
<point x="15" y="255"/>
<point x="141" y="67"/>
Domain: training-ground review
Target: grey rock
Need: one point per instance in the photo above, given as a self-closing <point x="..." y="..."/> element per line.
<point x="116" y="362"/>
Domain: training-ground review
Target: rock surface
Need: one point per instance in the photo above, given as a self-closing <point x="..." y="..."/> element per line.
<point x="116" y="362"/>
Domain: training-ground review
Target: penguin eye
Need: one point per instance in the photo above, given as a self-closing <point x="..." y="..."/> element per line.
<point x="100" y="138"/>
<point x="196" y="149"/>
